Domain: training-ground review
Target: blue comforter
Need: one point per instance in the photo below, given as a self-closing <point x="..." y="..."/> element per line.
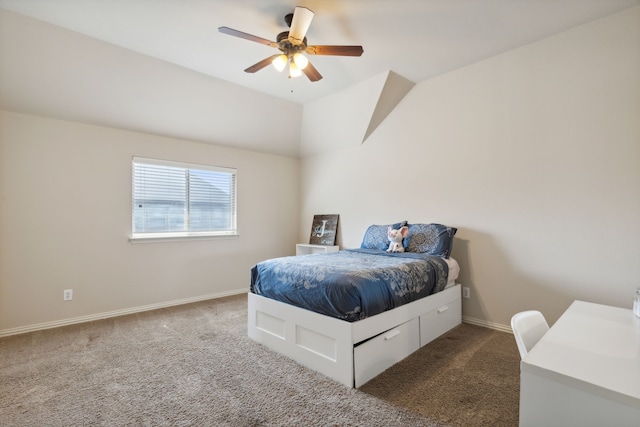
<point x="351" y="284"/>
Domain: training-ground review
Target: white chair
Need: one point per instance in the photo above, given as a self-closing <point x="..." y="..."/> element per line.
<point x="528" y="327"/>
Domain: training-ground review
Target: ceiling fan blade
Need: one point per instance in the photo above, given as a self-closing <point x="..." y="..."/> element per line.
<point x="335" y="50"/>
<point x="300" y="24"/>
<point x="260" y="65"/>
<point x="246" y="36"/>
<point x="311" y="72"/>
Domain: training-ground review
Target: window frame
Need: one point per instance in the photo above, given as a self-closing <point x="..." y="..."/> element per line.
<point x="136" y="237"/>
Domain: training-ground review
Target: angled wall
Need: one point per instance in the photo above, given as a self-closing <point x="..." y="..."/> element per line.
<point x="351" y="116"/>
<point x="394" y="90"/>
<point x="54" y="72"/>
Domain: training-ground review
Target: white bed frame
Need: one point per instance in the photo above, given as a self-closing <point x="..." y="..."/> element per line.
<point x="352" y="352"/>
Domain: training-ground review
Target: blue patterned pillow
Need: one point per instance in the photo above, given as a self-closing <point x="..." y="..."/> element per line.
<point x="432" y="239"/>
<point x="376" y="236"/>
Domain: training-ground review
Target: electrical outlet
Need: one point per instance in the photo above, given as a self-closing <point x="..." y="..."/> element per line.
<point x="466" y="293"/>
<point x="67" y="295"/>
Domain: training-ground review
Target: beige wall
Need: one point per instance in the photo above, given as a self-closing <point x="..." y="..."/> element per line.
<point x="65" y="220"/>
<point x="533" y="154"/>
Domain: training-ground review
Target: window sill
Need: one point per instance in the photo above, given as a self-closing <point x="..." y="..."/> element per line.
<point x="177" y="237"/>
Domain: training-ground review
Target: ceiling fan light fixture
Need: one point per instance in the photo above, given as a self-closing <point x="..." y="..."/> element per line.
<point x="294" y="71"/>
<point x="279" y="62"/>
<point x="300" y="60"/>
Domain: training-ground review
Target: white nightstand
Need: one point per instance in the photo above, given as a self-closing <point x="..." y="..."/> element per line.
<point x="306" y="248"/>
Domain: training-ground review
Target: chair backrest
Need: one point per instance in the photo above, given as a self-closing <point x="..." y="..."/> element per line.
<point x="528" y="327"/>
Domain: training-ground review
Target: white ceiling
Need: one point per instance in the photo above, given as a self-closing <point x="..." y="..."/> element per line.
<point x="417" y="39"/>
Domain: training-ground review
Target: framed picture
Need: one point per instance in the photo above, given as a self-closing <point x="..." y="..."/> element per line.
<point x="324" y="229"/>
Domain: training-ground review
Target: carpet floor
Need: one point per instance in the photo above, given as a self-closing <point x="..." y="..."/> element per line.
<point x="193" y="365"/>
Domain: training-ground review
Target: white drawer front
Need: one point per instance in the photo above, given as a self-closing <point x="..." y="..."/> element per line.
<point x="385" y="350"/>
<point x="437" y="322"/>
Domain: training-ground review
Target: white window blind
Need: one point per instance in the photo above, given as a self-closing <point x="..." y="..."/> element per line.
<point x="172" y="199"/>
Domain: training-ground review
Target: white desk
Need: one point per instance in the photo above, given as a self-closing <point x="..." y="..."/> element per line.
<point x="585" y="371"/>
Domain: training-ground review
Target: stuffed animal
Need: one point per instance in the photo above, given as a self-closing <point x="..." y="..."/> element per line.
<point x="395" y="238"/>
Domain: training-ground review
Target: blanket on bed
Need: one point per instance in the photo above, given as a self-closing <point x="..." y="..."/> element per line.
<point x="351" y="284"/>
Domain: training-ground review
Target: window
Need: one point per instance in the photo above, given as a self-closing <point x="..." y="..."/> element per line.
<point x="173" y="199"/>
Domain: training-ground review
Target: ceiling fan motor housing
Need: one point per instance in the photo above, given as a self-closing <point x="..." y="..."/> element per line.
<point x="287" y="47"/>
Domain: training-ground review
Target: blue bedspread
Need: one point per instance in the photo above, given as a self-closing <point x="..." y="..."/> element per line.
<point x="351" y="284"/>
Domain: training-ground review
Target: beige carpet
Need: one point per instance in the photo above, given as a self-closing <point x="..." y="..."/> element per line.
<point x="193" y="365"/>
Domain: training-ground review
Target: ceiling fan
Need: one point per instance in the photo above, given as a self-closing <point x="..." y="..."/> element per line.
<point x="292" y="45"/>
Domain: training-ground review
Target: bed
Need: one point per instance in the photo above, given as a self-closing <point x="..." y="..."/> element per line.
<point x="354" y="313"/>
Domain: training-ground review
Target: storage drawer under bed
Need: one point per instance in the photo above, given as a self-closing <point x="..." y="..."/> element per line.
<point x="439" y="320"/>
<point x="381" y="352"/>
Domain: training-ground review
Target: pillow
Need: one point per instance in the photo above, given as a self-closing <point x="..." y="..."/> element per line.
<point x="431" y="239"/>
<point x="376" y="236"/>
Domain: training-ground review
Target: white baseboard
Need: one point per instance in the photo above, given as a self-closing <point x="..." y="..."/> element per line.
<point x="115" y="313"/>
<point x="106" y="315"/>
<point x="485" y="324"/>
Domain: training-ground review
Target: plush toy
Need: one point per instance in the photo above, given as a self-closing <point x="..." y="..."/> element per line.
<point x="395" y="238"/>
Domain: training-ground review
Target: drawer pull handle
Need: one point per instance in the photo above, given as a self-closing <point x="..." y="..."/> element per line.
<point x="392" y="334"/>
<point x="443" y="309"/>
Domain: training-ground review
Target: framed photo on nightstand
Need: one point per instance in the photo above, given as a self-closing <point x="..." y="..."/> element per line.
<point x="324" y="229"/>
